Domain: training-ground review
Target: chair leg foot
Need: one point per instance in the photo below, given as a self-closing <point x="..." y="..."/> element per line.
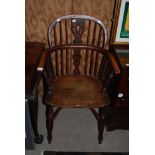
<point x="100" y="141"/>
<point x="38" y="139"/>
<point x="101" y="124"/>
<point x="49" y="123"/>
<point x="49" y="139"/>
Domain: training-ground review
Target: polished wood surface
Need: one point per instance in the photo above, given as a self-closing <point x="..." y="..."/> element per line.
<point x="77" y="68"/>
<point x="77" y="91"/>
<point x="33" y="52"/>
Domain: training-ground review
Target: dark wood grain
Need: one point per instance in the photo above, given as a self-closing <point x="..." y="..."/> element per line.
<point x="49" y="120"/>
<point x="114" y="63"/>
<point x="96" y="63"/>
<point x="86" y="57"/>
<point x="67" y="52"/>
<point x="81" y="67"/>
<point x="120" y="111"/>
<point x="61" y="51"/>
<point x="42" y="61"/>
<point x="77" y="91"/>
<point x="33" y="52"/>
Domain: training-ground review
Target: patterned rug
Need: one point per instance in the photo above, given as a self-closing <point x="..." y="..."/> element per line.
<point x="83" y="153"/>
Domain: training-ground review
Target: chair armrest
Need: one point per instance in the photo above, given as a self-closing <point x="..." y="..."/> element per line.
<point x="42" y="61"/>
<point x="114" y="62"/>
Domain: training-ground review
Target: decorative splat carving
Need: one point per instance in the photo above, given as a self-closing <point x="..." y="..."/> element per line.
<point x="76" y="58"/>
<point x="78" y="27"/>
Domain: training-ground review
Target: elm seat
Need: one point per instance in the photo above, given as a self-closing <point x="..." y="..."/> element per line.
<point x="77" y="68"/>
<point x="77" y="91"/>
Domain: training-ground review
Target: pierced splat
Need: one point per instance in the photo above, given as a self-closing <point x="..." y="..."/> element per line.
<point x="78" y="27"/>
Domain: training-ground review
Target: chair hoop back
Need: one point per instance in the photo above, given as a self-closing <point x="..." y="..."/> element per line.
<point x="75" y="18"/>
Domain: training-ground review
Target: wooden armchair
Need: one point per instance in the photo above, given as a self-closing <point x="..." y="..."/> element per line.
<point x="77" y="67"/>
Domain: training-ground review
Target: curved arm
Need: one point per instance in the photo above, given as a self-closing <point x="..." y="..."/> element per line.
<point x="42" y="61"/>
<point x="114" y="62"/>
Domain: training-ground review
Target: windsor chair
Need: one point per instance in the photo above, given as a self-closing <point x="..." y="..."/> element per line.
<point x="76" y="68"/>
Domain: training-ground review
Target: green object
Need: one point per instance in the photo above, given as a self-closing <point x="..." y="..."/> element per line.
<point x="125" y="33"/>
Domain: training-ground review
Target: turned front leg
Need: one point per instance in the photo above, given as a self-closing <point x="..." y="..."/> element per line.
<point x="101" y="124"/>
<point x="49" y="122"/>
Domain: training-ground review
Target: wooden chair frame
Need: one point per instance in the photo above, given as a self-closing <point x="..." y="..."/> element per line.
<point x="94" y="44"/>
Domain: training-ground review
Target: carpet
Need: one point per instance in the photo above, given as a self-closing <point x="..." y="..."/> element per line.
<point x="83" y="153"/>
<point x="75" y="130"/>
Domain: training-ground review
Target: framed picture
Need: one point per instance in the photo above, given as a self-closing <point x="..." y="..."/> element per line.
<point x="120" y="26"/>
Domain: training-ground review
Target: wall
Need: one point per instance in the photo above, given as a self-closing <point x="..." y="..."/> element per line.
<point x="39" y="13"/>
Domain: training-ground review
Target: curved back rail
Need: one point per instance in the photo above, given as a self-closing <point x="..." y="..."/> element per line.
<point x="77" y="47"/>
